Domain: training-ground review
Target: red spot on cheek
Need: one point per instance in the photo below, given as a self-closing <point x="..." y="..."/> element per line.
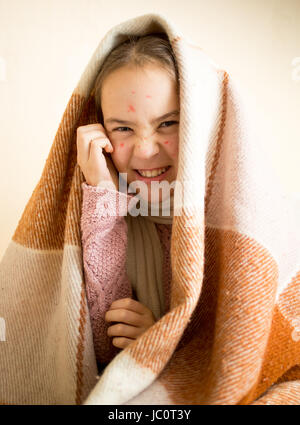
<point x="122" y="145"/>
<point x="133" y="92"/>
<point x="149" y="97"/>
<point x="166" y="142"/>
<point x="131" y="108"/>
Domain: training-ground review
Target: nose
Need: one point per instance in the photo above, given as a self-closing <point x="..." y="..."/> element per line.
<point x="146" y="146"/>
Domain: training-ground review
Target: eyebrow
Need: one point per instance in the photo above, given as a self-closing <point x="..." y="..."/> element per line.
<point x="116" y="120"/>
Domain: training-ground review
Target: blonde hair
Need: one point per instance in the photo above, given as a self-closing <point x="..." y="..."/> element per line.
<point x="150" y="49"/>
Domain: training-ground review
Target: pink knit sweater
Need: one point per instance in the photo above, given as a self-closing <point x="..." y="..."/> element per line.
<point x="104" y="245"/>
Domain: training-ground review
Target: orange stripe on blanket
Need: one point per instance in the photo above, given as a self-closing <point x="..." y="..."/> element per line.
<point x="223" y="346"/>
<point x="280" y="359"/>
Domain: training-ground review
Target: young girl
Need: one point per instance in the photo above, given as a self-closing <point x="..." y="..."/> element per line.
<point x="137" y="96"/>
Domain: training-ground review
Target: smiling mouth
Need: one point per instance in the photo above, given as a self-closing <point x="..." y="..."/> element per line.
<point x="152" y="172"/>
<point x="154" y="178"/>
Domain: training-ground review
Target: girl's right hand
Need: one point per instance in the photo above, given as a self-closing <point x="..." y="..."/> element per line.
<point x="95" y="165"/>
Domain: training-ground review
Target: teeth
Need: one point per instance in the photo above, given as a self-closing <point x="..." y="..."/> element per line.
<point x="153" y="173"/>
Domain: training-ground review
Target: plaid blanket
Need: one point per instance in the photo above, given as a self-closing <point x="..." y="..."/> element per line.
<point x="232" y="334"/>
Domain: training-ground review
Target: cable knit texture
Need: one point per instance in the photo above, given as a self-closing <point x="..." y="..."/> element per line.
<point x="104" y="244"/>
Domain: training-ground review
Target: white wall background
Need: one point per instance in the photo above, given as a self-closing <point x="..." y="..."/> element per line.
<point x="46" y="44"/>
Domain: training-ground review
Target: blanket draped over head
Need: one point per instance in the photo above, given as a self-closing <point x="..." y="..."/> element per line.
<point x="232" y="334"/>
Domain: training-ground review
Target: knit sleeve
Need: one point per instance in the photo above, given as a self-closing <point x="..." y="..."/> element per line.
<point x="104" y="245"/>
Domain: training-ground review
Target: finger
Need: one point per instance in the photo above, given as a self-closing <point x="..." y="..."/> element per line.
<point x="84" y="139"/>
<point x="124" y="316"/>
<point x="92" y="126"/>
<point x="124" y="330"/>
<point x="96" y="159"/>
<point x="94" y="134"/>
<point x="129" y="304"/>
<point x="83" y="129"/>
<point x="83" y="148"/>
<point x="100" y="142"/>
<point x="122" y="342"/>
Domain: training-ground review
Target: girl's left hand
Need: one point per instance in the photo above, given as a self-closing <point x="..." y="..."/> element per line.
<point x="134" y="319"/>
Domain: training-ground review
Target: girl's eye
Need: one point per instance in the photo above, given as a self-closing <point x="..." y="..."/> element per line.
<point x="165" y="122"/>
<point x="170" y="122"/>
<point x="118" y="129"/>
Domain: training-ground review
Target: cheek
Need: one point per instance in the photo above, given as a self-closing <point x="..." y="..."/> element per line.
<point x="121" y="155"/>
<point x="171" y="145"/>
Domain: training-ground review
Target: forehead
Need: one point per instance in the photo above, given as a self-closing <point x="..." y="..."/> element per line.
<point x="132" y="91"/>
<point x="135" y="81"/>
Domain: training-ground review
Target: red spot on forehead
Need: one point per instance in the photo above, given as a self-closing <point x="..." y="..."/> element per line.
<point x="131" y="108"/>
<point x="133" y="92"/>
<point x="149" y="97"/>
<point x="166" y="142"/>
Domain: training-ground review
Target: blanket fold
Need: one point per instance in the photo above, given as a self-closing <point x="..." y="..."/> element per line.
<point x="232" y="334"/>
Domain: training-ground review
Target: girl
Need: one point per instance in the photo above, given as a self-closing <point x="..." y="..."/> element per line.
<point x="137" y="99"/>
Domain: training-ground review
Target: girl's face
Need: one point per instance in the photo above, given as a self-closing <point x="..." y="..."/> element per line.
<point x="141" y="117"/>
